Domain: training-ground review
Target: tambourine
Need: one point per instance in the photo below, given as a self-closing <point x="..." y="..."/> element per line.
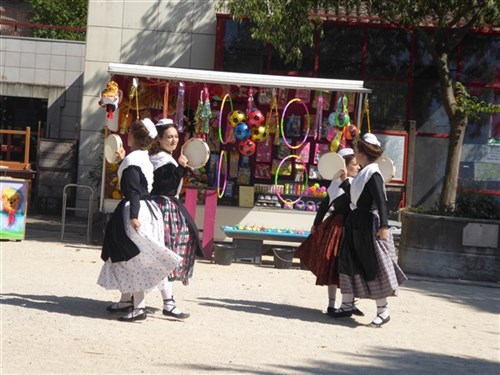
<point x="111" y="145"/>
<point x="331" y="165"/>
<point x="197" y="152"/>
<point x="387" y="168"/>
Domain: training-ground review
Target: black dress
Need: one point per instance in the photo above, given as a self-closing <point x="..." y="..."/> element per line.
<point x="367" y="264"/>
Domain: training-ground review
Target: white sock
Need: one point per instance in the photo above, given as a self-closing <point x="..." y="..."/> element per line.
<point x="332" y="292"/>
<point x="382" y="309"/>
<point x="139" y="301"/>
<point x="168" y="299"/>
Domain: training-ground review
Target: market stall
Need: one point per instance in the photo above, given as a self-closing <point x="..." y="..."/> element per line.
<point x="265" y="135"/>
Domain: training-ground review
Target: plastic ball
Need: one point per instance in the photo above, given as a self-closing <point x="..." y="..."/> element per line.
<point x="255" y="118"/>
<point x="259" y="133"/>
<point x="236" y="117"/>
<point x="242" y="131"/>
<point x="342" y="119"/>
<point x="334" y="145"/>
<point x="247" y="147"/>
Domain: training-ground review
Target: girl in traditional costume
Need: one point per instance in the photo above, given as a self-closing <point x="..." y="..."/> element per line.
<point x="181" y="233"/>
<point x="367" y="259"/>
<point x="320" y="250"/>
<point x="136" y="259"/>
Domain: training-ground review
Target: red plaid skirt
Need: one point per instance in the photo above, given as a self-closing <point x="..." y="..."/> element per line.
<point x="319" y="251"/>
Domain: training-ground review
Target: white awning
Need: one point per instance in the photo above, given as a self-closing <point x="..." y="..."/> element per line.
<point x="240" y="79"/>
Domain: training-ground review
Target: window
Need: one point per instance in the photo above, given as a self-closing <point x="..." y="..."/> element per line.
<point x="242" y="54"/>
<point x="388" y="53"/>
<point x="341" y="52"/>
<point x="480" y="58"/>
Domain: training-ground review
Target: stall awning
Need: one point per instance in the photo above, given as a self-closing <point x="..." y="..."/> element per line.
<point x="241" y="79"/>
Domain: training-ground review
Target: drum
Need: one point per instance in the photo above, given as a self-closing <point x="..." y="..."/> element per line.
<point x="331" y="166"/>
<point x="111" y="145"/>
<point x="197" y="152"/>
<point x="387" y="168"/>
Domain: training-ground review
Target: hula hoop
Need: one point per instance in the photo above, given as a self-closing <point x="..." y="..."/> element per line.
<point x="276" y="190"/>
<point x="219" y="194"/>
<point x="220" y="117"/>
<point x="283" y="120"/>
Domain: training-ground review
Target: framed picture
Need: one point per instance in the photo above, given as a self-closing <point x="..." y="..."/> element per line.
<point x="13" y="208"/>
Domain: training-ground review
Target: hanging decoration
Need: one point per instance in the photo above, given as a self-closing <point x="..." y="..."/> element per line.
<point x="222" y="157"/>
<point x="306" y="132"/>
<point x="133" y="93"/>
<point x="318" y="119"/>
<point x="203" y="113"/>
<point x="230" y="135"/>
<point x="304" y="186"/>
<point x="179" y="108"/>
<point x="110" y="98"/>
<point x="165" y="100"/>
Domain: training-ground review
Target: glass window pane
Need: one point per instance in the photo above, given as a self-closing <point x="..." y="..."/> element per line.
<point x="481" y="58"/>
<point x="341" y="52"/>
<point x="388" y="105"/>
<point x="427" y="109"/>
<point x="424" y="66"/>
<point x="306" y="68"/>
<point x="242" y="54"/>
<point x="388" y="53"/>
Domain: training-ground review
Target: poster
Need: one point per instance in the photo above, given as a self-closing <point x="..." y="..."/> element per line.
<point x="13" y="208"/>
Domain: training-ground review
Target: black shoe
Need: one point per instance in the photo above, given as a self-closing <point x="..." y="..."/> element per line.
<point x="180" y="315"/>
<point x="115" y="307"/>
<point x="383" y="321"/>
<point x="136" y="314"/>
<point x="339" y="313"/>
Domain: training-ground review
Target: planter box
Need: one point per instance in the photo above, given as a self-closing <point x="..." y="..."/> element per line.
<point x="450" y="247"/>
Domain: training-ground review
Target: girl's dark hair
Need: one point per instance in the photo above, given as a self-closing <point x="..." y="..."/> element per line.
<point x="141" y="134"/>
<point x="348" y="158"/>
<point x="155" y="147"/>
<point x="372" y="152"/>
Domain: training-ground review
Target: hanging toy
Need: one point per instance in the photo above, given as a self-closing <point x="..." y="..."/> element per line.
<point x="247" y="147"/>
<point x="110" y="98"/>
<point x="179" y="109"/>
<point x="318" y="120"/>
<point x="203" y="113"/>
<point x="133" y="93"/>
<point x="206" y="112"/>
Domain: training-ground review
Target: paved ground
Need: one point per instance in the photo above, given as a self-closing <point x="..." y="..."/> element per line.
<point x="244" y="319"/>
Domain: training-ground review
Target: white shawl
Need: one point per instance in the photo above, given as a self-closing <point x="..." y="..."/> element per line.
<point x="359" y="182"/>
<point x="334" y="190"/>
<point x="163" y="158"/>
<point x="139" y="158"/>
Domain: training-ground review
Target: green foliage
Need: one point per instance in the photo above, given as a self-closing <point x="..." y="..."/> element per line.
<point x="71" y="13"/>
<point x="468" y="205"/>
<point x="471" y="106"/>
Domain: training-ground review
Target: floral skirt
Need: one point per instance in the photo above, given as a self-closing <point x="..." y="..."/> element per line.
<point x="154" y="262"/>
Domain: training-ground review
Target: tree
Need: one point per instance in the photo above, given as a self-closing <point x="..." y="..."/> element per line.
<point x="289" y="25"/>
<point x="70" y="15"/>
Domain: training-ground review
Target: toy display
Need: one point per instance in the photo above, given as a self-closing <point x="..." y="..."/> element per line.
<point x="249" y="140"/>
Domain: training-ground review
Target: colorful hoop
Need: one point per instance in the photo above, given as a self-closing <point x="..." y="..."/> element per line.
<point x="283" y="120"/>
<point x="276" y="190"/>
<point x="219" y="194"/>
<point x="220" y="117"/>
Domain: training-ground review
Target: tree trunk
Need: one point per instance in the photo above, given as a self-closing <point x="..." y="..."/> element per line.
<point x="450" y="185"/>
<point x="458" y="123"/>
